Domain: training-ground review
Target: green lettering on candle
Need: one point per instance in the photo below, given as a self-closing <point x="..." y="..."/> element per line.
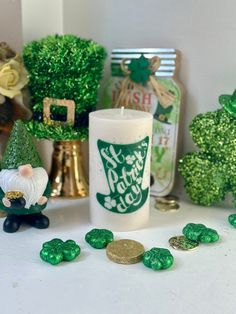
<point x="124" y="169"/>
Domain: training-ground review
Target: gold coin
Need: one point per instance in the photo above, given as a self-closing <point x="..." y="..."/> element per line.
<point x="167" y="200"/>
<point x="13" y="194"/>
<point x="166" y="208"/>
<point x="182" y="243"/>
<point x="172" y="197"/>
<point x="125" y="251"/>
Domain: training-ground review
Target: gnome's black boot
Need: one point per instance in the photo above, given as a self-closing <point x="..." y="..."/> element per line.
<point x="12" y="223"/>
<point x="38" y="220"/>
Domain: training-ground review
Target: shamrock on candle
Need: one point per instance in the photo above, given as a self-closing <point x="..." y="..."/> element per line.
<point x="109" y="202"/>
<point x="130" y="159"/>
<point x="139" y="180"/>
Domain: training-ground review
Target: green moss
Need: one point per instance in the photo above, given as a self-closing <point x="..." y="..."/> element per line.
<point x="56" y="132"/>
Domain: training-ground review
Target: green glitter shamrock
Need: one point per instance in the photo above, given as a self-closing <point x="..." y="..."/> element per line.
<point x="200" y="233"/>
<point x="158" y="258"/>
<point x="211" y="172"/>
<point x="232" y="220"/>
<point x="63" y="67"/>
<point x="56" y="251"/>
<point x="99" y="238"/>
<point x="140" y="70"/>
<point x="229" y="103"/>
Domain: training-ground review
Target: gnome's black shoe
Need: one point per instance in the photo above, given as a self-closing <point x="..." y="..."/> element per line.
<point x="38" y="221"/>
<point x="12" y="223"/>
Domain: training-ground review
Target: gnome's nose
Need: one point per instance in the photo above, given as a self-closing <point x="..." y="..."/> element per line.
<point x="26" y="170"/>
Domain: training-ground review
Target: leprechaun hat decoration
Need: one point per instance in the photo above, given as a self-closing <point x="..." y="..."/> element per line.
<point x="162" y="114"/>
<point x="20" y="149"/>
<point x="63" y="68"/>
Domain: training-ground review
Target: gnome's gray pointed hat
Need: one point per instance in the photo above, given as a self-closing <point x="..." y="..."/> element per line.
<point x="20" y="149"/>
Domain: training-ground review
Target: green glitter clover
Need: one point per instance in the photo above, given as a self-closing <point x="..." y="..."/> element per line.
<point x="200" y="233"/>
<point x="229" y="103"/>
<point x="158" y="258"/>
<point x="56" y="251"/>
<point x="140" y="70"/>
<point x="211" y="173"/>
<point x="63" y="67"/>
<point x="99" y="238"/>
<point x="232" y="220"/>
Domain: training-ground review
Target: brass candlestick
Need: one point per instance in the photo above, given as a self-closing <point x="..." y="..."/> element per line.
<point x="67" y="174"/>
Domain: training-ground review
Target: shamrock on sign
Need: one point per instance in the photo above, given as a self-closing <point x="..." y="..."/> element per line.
<point x="140" y="70"/>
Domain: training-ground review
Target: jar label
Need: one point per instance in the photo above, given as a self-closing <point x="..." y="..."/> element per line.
<point x="124" y="169"/>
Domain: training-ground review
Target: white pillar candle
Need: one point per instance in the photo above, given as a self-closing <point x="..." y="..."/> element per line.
<point x="119" y="168"/>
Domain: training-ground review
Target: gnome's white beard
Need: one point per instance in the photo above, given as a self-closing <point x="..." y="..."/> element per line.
<point x="32" y="187"/>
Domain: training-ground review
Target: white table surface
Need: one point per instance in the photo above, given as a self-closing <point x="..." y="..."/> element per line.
<point x="201" y="281"/>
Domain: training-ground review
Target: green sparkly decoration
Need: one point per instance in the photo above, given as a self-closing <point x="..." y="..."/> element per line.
<point x="158" y="258"/>
<point x="56" y="251"/>
<point x="232" y="220"/>
<point x="229" y="103"/>
<point x="200" y="233"/>
<point x="140" y="70"/>
<point x="59" y="133"/>
<point x="63" y="67"/>
<point x="20" y="149"/>
<point x="211" y="173"/>
<point x="99" y="238"/>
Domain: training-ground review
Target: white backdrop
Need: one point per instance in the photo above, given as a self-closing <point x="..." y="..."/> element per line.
<point x="203" y="30"/>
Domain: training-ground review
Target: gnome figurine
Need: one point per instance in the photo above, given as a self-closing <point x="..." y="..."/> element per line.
<point x="24" y="184"/>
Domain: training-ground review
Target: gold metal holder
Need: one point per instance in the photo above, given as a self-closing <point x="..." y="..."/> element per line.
<point x="67" y="174"/>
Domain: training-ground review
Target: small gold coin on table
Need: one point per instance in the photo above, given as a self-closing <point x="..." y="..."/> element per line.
<point x="167" y="200"/>
<point x="182" y="243"/>
<point x="166" y="208"/>
<point x="125" y="251"/>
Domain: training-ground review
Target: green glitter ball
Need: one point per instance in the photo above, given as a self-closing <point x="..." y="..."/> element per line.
<point x="232" y="220"/>
<point x="63" y="67"/>
<point x="56" y="251"/>
<point x="211" y="173"/>
<point x="99" y="238"/>
<point x="158" y="258"/>
<point x="200" y="233"/>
